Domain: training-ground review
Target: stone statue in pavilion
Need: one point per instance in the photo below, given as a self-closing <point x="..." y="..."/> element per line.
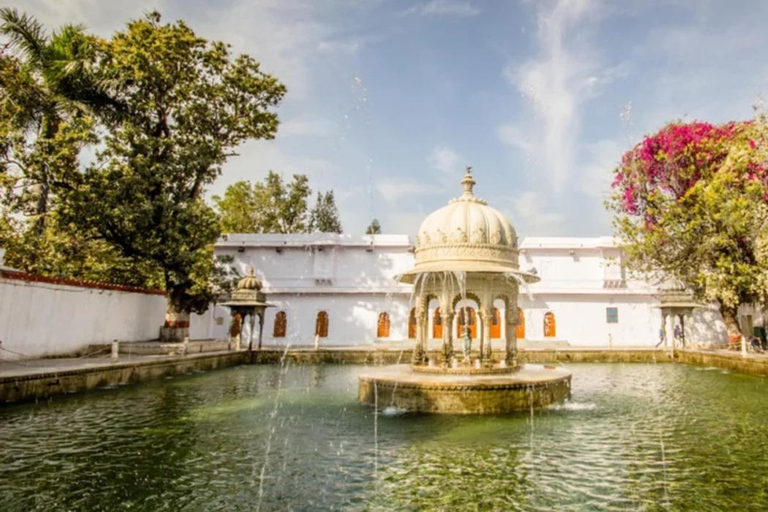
<point x="467" y="344"/>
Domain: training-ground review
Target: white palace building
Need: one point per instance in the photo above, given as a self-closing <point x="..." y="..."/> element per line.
<point x="342" y="290"/>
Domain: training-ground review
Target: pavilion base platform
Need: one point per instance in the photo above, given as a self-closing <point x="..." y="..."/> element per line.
<point x="531" y="386"/>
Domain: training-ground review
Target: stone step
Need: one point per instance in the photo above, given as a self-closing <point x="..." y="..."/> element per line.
<point x="150" y="348"/>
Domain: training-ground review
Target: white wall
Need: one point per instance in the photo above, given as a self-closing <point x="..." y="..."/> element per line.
<point x="43" y="319"/>
<point x="353" y="319"/>
<point x="582" y="320"/>
<point x="211" y="325"/>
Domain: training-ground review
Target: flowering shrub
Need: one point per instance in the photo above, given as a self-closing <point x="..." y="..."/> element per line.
<point x="691" y="202"/>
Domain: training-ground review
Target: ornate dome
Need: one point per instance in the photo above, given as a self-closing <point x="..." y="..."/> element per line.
<point x="466" y="235"/>
<point x="249" y="282"/>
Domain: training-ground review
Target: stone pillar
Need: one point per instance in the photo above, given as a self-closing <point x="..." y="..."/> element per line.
<point x="486" y="315"/>
<point x="682" y="329"/>
<point x="251" y="326"/>
<point x="261" y="328"/>
<point x="674" y="340"/>
<point x="419" y="351"/>
<point x="511" y="319"/>
<point x="446" y="312"/>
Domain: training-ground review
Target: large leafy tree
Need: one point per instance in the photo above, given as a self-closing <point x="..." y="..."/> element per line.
<point x="188" y="104"/>
<point x="690" y="203"/>
<point x="271" y="206"/>
<point x="325" y="216"/>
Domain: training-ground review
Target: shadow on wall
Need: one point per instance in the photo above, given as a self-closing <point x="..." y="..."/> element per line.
<point x="533" y="316"/>
<point x="708" y="327"/>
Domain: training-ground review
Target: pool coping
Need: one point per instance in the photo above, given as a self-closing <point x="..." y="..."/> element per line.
<point x="77" y="375"/>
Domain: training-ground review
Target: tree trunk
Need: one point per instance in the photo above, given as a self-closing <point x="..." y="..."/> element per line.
<point x="731" y="319"/>
<point x="176" y="326"/>
<point x="41" y="210"/>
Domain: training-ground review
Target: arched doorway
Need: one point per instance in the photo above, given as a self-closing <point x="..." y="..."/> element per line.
<point x="281" y="325"/>
<point x="520" y="329"/>
<point x="382" y="330"/>
<point x="412" y="324"/>
<point x="437" y="324"/>
<point x="550" y="327"/>
<point x="467" y="318"/>
<point x="496" y="324"/>
<point x="321" y="324"/>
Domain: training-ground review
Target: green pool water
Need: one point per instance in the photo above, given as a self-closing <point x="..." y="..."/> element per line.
<point x="633" y="437"/>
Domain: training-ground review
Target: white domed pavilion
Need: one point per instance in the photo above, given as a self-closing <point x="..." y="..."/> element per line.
<point x="466" y="249"/>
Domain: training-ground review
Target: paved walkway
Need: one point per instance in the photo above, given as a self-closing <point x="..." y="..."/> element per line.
<point x="27" y="367"/>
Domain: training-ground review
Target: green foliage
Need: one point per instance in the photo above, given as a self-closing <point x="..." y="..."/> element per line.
<point x="237" y="209"/>
<point x="325" y="216"/>
<point x="271" y="206"/>
<point x="374" y="228"/>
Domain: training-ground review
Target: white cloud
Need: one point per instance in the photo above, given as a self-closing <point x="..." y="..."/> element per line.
<point x="555" y="84"/>
<point x="305" y="127"/>
<point x="283" y="36"/>
<point x="339" y="47"/>
<point x="529" y="214"/>
<point x="256" y="158"/>
<point x="394" y="190"/>
<point x="403" y="222"/>
<point x="445" y="159"/>
<point x="596" y="175"/>
<point x="443" y="8"/>
<point x="512" y="135"/>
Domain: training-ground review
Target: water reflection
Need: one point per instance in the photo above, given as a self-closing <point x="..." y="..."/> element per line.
<point x="634" y="437"/>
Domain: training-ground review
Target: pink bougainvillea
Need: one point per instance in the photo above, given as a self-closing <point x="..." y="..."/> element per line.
<point x="670" y="162"/>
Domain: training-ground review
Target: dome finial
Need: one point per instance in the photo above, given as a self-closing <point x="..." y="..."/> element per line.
<point x="468" y="182"/>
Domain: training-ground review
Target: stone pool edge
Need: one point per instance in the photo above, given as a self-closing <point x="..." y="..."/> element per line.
<point x="44" y="384"/>
<point x="27" y="385"/>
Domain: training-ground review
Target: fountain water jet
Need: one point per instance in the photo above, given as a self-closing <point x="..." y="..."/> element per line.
<point x="466" y="250"/>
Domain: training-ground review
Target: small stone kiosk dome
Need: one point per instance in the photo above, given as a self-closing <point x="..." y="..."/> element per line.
<point x="247" y="301"/>
<point x="466" y="235"/>
<point x="249" y="282"/>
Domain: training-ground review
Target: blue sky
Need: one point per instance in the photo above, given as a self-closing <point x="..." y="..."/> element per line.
<point x="389" y="100"/>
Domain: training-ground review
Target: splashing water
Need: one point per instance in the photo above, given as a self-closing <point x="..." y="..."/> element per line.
<point x="573" y="406"/>
<point x="392" y="410"/>
<point x="271" y="428"/>
<point x="521" y="283"/>
<point x="626" y="114"/>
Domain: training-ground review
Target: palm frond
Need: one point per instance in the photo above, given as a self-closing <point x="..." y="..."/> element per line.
<point x="25" y="34"/>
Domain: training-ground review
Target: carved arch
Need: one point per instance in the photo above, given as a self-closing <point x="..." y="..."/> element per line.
<point x="550" y="325"/>
<point x="382" y="329"/>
